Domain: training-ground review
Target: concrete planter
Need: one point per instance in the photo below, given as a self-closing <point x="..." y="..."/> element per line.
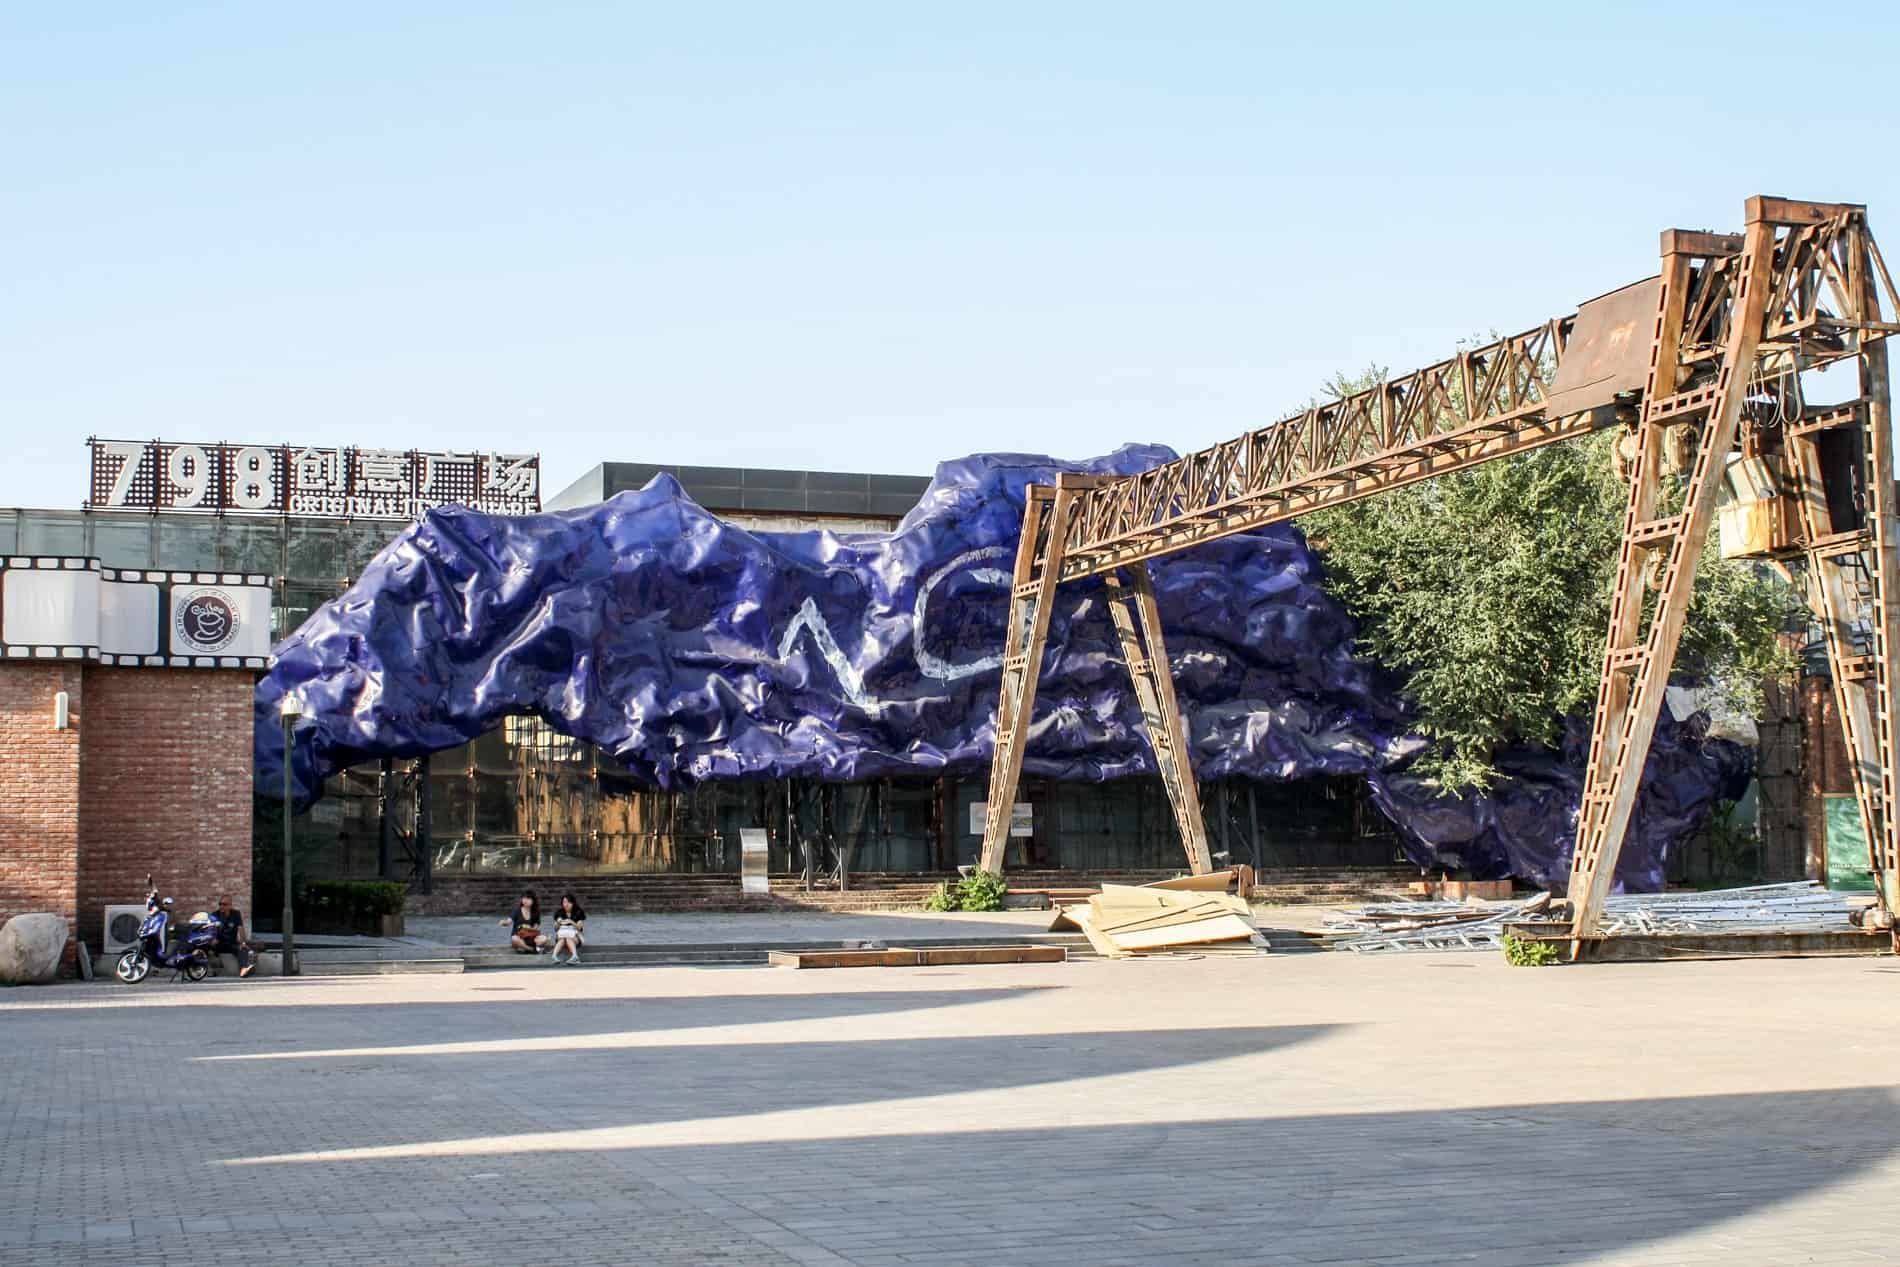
<point x="372" y="926"/>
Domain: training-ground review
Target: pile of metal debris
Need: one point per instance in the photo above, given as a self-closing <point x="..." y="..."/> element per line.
<point x="1801" y="907"/>
<point x="1389" y="927"/>
<point x="1764" y="908"/>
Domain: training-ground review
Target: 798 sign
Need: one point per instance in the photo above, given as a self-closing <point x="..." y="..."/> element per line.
<point x="333" y="482"/>
<point x="153" y="475"/>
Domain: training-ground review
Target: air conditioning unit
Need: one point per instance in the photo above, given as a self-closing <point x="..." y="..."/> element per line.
<point x="122" y="927"/>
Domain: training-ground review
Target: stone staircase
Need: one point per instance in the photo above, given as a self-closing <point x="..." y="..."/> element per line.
<point x="642" y="893"/>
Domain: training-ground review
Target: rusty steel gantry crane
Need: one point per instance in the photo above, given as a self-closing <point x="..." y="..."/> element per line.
<point x="1696" y="365"/>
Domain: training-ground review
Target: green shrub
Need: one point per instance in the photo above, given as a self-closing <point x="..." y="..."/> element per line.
<point x="1530" y="954"/>
<point x="978" y="891"/>
<point x="350" y="903"/>
<point x="981" y="891"/>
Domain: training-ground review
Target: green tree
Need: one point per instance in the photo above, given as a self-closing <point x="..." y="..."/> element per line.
<point x="1490" y="590"/>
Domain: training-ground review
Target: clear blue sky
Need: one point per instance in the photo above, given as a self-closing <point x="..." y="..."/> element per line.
<point x="851" y="237"/>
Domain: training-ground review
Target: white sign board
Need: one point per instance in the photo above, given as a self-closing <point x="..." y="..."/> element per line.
<point x="1022" y="818"/>
<point x="283" y="479"/>
<point x="754" y="851"/>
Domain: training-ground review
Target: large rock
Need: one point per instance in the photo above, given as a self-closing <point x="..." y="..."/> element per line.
<point x="31" y="947"/>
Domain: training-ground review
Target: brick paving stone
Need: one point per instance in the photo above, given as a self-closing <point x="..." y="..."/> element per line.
<point x="1313" y="1109"/>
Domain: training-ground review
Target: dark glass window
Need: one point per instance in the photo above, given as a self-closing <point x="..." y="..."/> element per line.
<point x="253" y="545"/>
<point x="187" y="543"/>
<point x="524" y="800"/>
<point x="315" y="554"/>
<point x="122" y="541"/>
<point x="296" y="604"/>
<point x="362" y="542"/>
<point x="50" y="532"/>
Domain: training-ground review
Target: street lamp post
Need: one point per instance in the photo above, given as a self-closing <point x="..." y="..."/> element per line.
<point x="288" y="712"/>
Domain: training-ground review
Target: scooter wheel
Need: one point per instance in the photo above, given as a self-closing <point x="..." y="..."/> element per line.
<point x="197" y="970"/>
<point x="133" y="967"/>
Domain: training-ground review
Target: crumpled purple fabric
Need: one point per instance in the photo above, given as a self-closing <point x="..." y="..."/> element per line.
<point x="692" y="649"/>
<point x="1525" y="826"/>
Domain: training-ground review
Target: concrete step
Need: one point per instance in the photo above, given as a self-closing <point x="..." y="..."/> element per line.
<point x="655" y="892"/>
<point x="324" y="967"/>
<point x="488" y="959"/>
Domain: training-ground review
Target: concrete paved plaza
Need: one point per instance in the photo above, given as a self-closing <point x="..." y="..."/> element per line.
<point x="1299" y="1109"/>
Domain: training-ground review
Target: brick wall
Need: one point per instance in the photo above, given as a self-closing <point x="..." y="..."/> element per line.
<point x="165" y="786"/>
<point x="39" y="787"/>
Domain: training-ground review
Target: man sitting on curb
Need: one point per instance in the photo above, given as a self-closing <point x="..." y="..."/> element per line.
<point x="231" y="939"/>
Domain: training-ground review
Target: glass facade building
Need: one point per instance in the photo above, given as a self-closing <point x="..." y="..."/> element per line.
<point x="524" y="800"/>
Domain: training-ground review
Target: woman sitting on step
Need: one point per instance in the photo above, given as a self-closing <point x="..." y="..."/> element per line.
<point x="570" y="922"/>
<point x="524" y="922"/>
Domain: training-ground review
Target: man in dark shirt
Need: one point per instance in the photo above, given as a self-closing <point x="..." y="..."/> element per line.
<point x="231" y="939"/>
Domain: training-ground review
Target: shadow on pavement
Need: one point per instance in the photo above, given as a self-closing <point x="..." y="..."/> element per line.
<point x="237" y="1027"/>
<point x="617" y="1087"/>
<point x="1511" y="1184"/>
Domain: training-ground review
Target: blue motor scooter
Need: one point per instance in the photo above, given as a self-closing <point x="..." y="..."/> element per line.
<point x="191" y="959"/>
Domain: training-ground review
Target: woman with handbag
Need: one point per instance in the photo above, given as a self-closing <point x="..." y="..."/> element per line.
<point x="524" y="923"/>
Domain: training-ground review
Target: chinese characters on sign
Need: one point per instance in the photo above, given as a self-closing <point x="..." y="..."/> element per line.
<point x="286" y="480"/>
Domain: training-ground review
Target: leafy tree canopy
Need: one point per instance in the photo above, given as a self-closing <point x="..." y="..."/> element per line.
<point x="1490" y="591"/>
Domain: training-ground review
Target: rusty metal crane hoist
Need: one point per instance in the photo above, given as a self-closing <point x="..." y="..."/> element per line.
<point x="1705" y="367"/>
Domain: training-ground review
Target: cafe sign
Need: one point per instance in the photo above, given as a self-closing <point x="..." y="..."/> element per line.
<point x="54" y="608"/>
<point x="343" y="483"/>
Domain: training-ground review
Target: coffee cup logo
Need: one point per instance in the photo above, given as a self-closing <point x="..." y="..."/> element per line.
<point x="206" y="620"/>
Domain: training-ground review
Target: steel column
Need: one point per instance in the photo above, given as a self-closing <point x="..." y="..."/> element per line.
<point x="1032" y="599"/>
<point x="1875" y="391"/>
<point x="1851" y="577"/>
<point x="1138" y="623"/>
<point x="1627" y="710"/>
<point x="385" y="818"/>
<point x="425" y="828"/>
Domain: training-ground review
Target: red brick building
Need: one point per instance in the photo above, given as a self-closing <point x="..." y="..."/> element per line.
<point x="125" y="735"/>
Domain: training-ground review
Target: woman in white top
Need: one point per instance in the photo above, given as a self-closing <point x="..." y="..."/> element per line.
<point x="570" y="923"/>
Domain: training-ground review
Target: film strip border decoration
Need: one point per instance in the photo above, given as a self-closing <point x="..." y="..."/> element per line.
<point x="31" y="624"/>
<point x="73" y="609"/>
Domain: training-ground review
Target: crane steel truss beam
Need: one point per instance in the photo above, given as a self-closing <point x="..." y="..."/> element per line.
<point x="1482" y="403"/>
<point x="1803" y="288"/>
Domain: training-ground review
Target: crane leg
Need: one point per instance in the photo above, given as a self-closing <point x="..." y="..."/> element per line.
<point x="1660" y="552"/>
<point x="1138" y="623"/>
<point x="1032" y="599"/>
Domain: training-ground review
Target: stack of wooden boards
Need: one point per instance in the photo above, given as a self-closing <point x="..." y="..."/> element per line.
<point x="1191" y="913"/>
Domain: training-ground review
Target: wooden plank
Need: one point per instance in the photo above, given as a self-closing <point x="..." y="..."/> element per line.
<point x="842" y="958"/>
<point x="1220" y="928"/>
<point x="898" y="957"/>
<point x="946" y="956"/>
<point x="1083" y="917"/>
<point x="1212" y="882"/>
